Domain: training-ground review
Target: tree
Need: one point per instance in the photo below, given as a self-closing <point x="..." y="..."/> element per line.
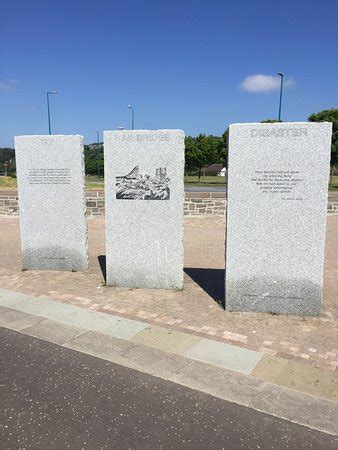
<point x="7" y="160"/>
<point x="202" y="151"/>
<point x="329" y="115"/>
<point x="94" y="159"/>
<point x="205" y="150"/>
<point x="190" y="163"/>
<point x="271" y="121"/>
<point x="223" y="148"/>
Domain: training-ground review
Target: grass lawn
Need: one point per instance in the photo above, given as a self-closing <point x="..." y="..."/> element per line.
<point x="7" y="183"/>
<point x="334" y="184"/>
<point x="93" y="182"/>
<point x="213" y="180"/>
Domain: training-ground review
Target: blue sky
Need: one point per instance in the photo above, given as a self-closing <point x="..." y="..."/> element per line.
<point x="182" y="64"/>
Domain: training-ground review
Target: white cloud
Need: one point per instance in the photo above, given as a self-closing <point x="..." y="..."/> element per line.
<point x="4" y="86"/>
<point x="7" y="85"/>
<point x="263" y="83"/>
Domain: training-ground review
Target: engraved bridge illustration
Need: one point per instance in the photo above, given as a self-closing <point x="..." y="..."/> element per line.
<point x="141" y="186"/>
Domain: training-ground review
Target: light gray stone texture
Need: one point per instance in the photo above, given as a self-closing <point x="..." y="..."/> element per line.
<point x="51" y="185"/>
<point x="52" y="331"/>
<point x="309" y="410"/>
<point x="219" y="382"/>
<point x="224" y="355"/>
<point x="144" y="210"/>
<point x="276" y="216"/>
<point x="17" y="320"/>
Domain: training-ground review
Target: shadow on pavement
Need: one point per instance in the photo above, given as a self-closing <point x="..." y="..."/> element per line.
<point x="210" y="280"/>
<point x="103" y="267"/>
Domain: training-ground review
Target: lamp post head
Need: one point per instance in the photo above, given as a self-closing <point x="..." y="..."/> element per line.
<point x="281" y="74"/>
<point x="130" y="107"/>
<point x="52" y="92"/>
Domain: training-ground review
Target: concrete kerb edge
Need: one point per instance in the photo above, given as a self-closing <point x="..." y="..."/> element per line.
<point x="174" y="379"/>
<point x="331" y="428"/>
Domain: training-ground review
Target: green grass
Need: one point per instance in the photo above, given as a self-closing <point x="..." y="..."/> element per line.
<point x="213" y="180"/>
<point x="93" y="182"/>
<point x="95" y="185"/>
<point x="334" y="184"/>
<point x="7" y="183"/>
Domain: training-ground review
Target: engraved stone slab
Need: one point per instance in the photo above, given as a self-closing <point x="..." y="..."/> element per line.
<point x="144" y="195"/>
<point x="51" y="184"/>
<point x="276" y="216"/>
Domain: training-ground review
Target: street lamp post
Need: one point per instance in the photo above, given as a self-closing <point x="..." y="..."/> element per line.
<point x="132" y="115"/>
<point x="98" y="151"/>
<point x="48" y="109"/>
<point x="281" y="74"/>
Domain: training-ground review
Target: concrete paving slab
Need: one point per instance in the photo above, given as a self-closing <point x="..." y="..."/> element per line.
<point x="41" y="306"/>
<point x="55" y="332"/>
<point x="298" y="407"/>
<point x="269" y="368"/>
<point x="4" y="309"/>
<point x="313" y="380"/>
<point x="166" y="339"/>
<point x="302" y="377"/>
<point x="79" y="317"/>
<point x="10" y="298"/>
<point x="156" y="362"/>
<point x="101" y="346"/>
<point x="17" y="320"/>
<point x="220" y="382"/>
<point x="102" y="323"/>
<point x="228" y="356"/>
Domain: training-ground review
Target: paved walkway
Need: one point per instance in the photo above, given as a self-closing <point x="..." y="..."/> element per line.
<point x="196" y="310"/>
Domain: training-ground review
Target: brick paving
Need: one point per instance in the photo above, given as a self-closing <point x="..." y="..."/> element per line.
<point x="198" y="308"/>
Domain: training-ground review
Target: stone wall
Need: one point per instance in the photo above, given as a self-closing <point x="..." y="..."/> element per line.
<point x="95" y="203"/>
<point x="196" y="203"/>
<point x="9" y="203"/>
<point x="204" y="203"/>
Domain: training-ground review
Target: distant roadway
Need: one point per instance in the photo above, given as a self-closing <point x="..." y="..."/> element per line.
<point x="333" y="194"/>
<point x="204" y="188"/>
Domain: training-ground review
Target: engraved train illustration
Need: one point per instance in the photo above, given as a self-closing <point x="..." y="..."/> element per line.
<point x="141" y="186"/>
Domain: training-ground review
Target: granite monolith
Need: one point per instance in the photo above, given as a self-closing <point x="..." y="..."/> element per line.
<point x="52" y="205"/>
<point x="144" y="195"/>
<point x="277" y="191"/>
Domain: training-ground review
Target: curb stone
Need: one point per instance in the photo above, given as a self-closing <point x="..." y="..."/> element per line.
<point x="35" y="316"/>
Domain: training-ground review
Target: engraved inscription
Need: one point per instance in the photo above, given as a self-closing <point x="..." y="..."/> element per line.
<point x="49" y="176"/>
<point x="141" y="138"/>
<point x="277" y="182"/>
<point x="51" y="257"/>
<point x="278" y="132"/>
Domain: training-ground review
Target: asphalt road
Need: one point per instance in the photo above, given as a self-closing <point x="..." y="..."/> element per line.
<point x="332" y="195"/>
<point x="188" y="188"/>
<point x="55" y="398"/>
